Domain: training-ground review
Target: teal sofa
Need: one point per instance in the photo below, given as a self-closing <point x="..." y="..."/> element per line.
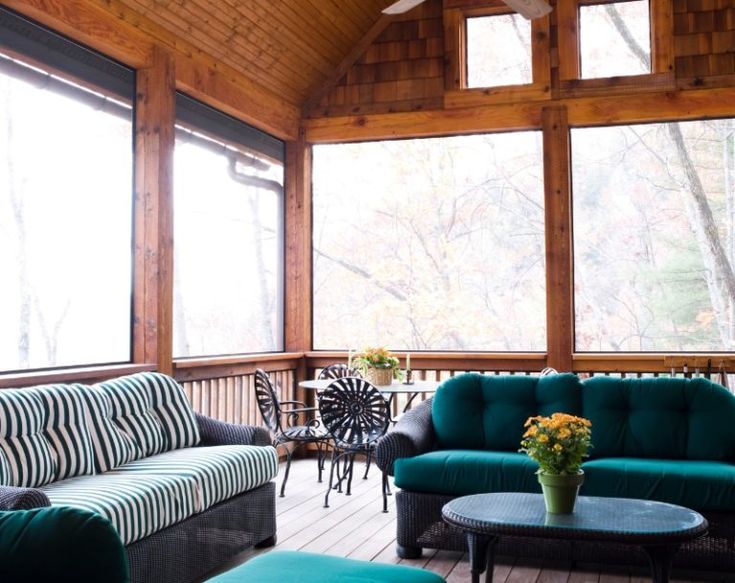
<point x="671" y="440"/>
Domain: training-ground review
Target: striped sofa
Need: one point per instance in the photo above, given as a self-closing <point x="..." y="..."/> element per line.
<point x="183" y="491"/>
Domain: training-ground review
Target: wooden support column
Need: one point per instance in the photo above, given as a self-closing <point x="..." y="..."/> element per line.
<point x="154" y="148"/>
<point x="558" y="209"/>
<point x="298" y="300"/>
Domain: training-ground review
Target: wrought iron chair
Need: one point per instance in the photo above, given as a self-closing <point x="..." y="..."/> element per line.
<point x="273" y="413"/>
<point x="357" y="416"/>
<point x="338" y="371"/>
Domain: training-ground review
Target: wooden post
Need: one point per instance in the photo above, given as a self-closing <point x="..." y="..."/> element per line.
<point x="558" y="200"/>
<point x="154" y="148"/>
<point x="298" y="300"/>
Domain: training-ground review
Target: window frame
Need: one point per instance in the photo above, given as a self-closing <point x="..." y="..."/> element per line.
<point x="457" y="94"/>
<point x="661" y="77"/>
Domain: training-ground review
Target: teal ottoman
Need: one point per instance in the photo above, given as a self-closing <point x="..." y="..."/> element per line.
<point x="290" y="566"/>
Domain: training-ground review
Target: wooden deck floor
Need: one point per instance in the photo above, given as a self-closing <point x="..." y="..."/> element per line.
<point x="355" y="527"/>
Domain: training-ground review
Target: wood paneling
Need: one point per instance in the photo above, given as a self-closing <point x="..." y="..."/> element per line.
<point x="704" y="39"/>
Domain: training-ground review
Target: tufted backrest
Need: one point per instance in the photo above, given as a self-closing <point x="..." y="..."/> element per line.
<point x="660" y="418"/>
<point x="474" y="411"/>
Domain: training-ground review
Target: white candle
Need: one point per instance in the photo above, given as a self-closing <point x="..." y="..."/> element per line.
<point x="349" y="358"/>
<point x="408" y="361"/>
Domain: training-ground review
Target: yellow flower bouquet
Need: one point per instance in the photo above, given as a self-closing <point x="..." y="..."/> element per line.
<point x="558" y="443"/>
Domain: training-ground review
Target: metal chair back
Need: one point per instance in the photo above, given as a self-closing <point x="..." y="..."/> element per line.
<point x="354" y="412"/>
<point x="338" y="370"/>
<point x="265" y="394"/>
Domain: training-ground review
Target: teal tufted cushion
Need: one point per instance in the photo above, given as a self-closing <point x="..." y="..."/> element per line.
<point x="660" y="418"/>
<point x="473" y="411"/>
<point x="461" y="472"/>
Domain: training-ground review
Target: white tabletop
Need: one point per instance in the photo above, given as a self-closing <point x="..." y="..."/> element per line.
<point x="395" y="387"/>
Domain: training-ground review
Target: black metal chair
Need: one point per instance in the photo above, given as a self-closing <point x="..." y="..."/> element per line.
<point x="338" y="371"/>
<point x="273" y="412"/>
<point x="357" y="416"/>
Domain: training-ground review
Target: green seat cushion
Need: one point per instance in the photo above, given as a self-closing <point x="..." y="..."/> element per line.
<point x="290" y="566"/>
<point x="474" y="411"/>
<point x="660" y="418"/>
<point x="60" y="544"/>
<point x="697" y="484"/>
<point x="461" y="472"/>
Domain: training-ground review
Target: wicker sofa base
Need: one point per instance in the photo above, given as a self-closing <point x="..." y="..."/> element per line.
<point x="420" y="526"/>
<point x="192" y="548"/>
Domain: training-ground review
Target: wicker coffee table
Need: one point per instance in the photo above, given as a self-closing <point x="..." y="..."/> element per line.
<point x="657" y="527"/>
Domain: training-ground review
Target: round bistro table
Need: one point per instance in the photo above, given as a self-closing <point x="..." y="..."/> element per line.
<point x="657" y="527"/>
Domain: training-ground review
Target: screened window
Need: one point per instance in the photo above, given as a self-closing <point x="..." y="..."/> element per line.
<point x="430" y="244"/>
<point x="654" y="207"/>
<point x="65" y="202"/>
<point x="228" y="235"/>
<point x="615" y="39"/>
<point x="498" y="50"/>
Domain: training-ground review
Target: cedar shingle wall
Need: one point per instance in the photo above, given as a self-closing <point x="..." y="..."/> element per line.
<point x="403" y="70"/>
<point x="704" y="37"/>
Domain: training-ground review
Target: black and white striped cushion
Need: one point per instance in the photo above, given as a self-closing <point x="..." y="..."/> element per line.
<point x="66" y="429"/>
<point x="112" y="447"/>
<point x="137" y="506"/>
<point x="170" y="405"/>
<point x="220" y="472"/>
<point x="29" y="460"/>
<point x="131" y="402"/>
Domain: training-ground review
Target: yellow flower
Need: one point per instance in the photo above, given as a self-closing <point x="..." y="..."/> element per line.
<point x="557" y="447"/>
<point x="543" y="438"/>
<point x="564" y="433"/>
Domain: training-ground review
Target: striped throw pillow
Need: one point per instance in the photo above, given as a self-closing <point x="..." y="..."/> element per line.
<point x="112" y="447"/>
<point x="29" y="461"/>
<point x="131" y="402"/>
<point x="173" y="409"/>
<point x="66" y="429"/>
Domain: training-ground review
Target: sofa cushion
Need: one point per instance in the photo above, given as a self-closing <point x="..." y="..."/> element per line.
<point x="659" y="418"/>
<point x="131" y="400"/>
<point x="26" y="457"/>
<point x="66" y="429"/>
<point x="136" y="505"/>
<point x="698" y="484"/>
<point x="462" y="472"/>
<point x="220" y="472"/>
<point x="111" y="445"/>
<point x="474" y="411"/>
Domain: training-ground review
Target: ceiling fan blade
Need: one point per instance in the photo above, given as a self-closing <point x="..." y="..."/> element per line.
<point x="402" y="6"/>
<point x="529" y="9"/>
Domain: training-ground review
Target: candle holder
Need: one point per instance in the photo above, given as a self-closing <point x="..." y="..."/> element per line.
<point x="409" y="380"/>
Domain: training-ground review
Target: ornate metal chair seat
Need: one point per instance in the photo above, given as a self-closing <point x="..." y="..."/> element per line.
<point x="338" y="370"/>
<point x="273" y="412"/>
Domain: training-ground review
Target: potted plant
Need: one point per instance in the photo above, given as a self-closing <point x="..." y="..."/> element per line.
<point x="377" y="365"/>
<point x="558" y="443"/>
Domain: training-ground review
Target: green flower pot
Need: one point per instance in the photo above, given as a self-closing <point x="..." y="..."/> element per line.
<point x="560" y="491"/>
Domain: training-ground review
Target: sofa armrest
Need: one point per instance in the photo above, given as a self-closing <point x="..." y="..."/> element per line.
<point x="14" y="498"/>
<point x="215" y="432"/>
<point x="412" y="436"/>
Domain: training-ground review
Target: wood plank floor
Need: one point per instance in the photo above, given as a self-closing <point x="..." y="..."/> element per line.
<point x="354" y="526"/>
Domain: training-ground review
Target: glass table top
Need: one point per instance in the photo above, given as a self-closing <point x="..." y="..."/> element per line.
<point x="615" y="516"/>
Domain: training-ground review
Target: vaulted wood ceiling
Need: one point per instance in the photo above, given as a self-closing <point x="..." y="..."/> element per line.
<point x="290" y="47"/>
